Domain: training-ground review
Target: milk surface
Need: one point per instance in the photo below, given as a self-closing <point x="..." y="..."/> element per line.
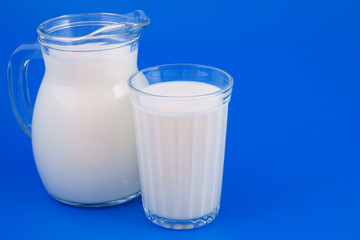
<point x="181" y="149"/>
<point x="82" y="129"/>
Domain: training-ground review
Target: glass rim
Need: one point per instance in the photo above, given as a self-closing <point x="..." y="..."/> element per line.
<point x="212" y="94"/>
<point x="46" y="37"/>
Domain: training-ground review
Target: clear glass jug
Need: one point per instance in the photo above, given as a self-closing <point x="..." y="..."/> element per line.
<point x="81" y="125"/>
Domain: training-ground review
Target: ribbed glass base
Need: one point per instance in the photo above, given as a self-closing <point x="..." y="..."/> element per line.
<point x="182" y="224"/>
<point x="103" y="204"/>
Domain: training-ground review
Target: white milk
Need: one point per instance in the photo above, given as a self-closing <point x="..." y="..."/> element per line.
<point x="181" y="150"/>
<point x="82" y="129"/>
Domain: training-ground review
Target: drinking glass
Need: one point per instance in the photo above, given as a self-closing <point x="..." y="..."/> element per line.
<point x="180" y="118"/>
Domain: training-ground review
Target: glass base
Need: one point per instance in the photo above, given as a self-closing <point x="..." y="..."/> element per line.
<point x="103" y="204"/>
<point x="182" y="224"/>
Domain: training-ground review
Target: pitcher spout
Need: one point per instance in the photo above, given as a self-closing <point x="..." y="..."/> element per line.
<point x="127" y="28"/>
<point x="139" y="19"/>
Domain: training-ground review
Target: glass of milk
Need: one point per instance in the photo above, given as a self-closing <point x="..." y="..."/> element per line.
<point x="180" y="117"/>
<point x="81" y="126"/>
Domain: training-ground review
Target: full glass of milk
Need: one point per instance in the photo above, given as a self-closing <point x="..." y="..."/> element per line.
<point x="180" y="114"/>
<point x="82" y="123"/>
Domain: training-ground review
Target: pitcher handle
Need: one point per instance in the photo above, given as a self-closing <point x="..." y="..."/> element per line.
<point x="18" y="83"/>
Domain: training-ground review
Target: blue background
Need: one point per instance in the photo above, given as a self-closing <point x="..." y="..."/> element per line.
<point x="292" y="168"/>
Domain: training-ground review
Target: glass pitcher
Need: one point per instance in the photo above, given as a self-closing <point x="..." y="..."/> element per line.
<point x="81" y="125"/>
